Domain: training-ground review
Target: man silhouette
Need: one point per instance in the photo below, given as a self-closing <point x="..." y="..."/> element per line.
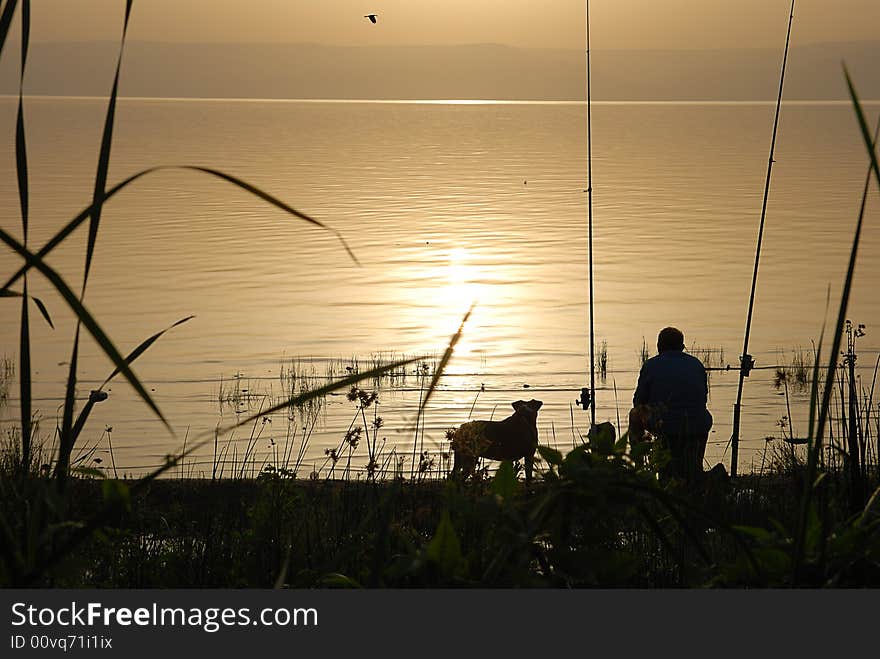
<point x="670" y="404"/>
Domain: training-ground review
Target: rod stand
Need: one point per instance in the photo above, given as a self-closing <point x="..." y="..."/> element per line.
<point x="734" y="441"/>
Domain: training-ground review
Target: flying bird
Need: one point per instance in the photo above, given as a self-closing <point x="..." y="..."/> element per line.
<point x="372" y="17"/>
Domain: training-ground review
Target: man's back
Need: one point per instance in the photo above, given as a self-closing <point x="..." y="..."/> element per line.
<point x="674" y="384"/>
<point x="672" y="378"/>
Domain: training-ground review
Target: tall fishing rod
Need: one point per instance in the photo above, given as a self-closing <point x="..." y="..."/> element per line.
<point x="588" y="396"/>
<point x="747" y="362"/>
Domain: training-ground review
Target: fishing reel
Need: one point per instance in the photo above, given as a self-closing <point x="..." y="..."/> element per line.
<point x="746" y="364"/>
<point x="586" y="399"/>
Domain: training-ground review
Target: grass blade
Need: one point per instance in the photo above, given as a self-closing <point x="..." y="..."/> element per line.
<point x="137" y="352"/>
<point x="81" y="217"/>
<point x="37" y="301"/>
<point x="441" y="366"/>
<point x="98" y="395"/>
<point x="265" y="196"/>
<point x="435" y="380"/>
<point x="21" y="168"/>
<point x="21" y="165"/>
<point x="24" y="382"/>
<point x="814" y="387"/>
<point x="870" y="144"/>
<point x="6" y="21"/>
<point x="86" y="319"/>
<point x="104" y="154"/>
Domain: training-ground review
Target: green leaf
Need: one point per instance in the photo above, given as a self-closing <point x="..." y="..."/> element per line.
<point x="866" y="513"/>
<point x="640" y="451"/>
<point x="116" y="492"/>
<point x="336" y="580"/>
<point x="773" y="561"/>
<point x="444" y="548"/>
<point x="761" y="535"/>
<point x="504" y="484"/>
<point x="575" y="459"/>
<point x="814" y="534"/>
<point x="780" y="528"/>
<point x="551" y="455"/>
<point x="602" y="439"/>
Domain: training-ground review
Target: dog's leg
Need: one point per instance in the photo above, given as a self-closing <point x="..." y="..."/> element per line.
<point x="470" y="466"/>
<point x="463" y="466"/>
<point x="459" y="470"/>
<point x="530" y="463"/>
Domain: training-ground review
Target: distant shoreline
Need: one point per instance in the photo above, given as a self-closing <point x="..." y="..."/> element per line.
<point x="435" y="101"/>
<point x="479" y="71"/>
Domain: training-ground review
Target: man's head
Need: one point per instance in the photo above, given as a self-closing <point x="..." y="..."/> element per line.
<point x="670" y="338"/>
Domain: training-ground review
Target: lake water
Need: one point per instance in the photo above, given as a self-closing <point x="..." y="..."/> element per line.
<point x="444" y="204"/>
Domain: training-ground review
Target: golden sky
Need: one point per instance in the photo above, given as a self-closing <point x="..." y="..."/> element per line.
<point x="529" y="23"/>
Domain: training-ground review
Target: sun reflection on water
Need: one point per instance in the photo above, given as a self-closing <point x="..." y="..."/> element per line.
<point x="451" y="280"/>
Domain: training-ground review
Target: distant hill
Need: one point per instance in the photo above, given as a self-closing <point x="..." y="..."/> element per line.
<point x="482" y="71"/>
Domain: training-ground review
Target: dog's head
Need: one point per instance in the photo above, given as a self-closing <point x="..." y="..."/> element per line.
<point x="528" y="408"/>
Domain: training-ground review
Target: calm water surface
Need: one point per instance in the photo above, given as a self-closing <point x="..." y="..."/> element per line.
<point x="444" y="205"/>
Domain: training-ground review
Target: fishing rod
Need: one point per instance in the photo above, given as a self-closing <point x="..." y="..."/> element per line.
<point x="747" y="362"/>
<point x="588" y="396"/>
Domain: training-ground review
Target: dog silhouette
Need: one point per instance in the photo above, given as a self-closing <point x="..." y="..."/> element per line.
<point x="514" y="438"/>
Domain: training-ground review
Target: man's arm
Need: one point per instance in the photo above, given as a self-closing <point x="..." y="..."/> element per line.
<point x="643" y="388"/>
<point x="705" y="381"/>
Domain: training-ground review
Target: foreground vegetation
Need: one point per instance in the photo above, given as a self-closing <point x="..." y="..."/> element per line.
<point x="595" y="518"/>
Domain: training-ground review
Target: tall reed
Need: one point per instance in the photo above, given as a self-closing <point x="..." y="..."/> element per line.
<point x="817" y="431"/>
